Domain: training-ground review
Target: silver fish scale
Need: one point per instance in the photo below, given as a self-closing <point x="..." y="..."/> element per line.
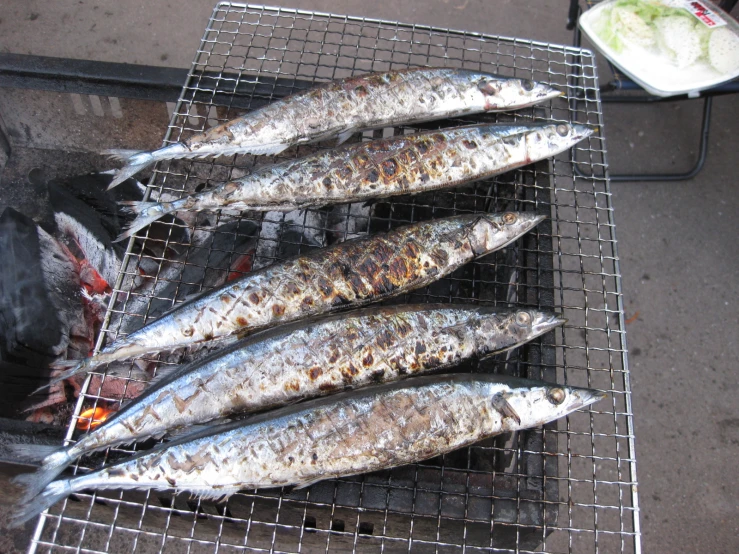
<point x="377" y="345"/>
<point x="401" y="165"/>
<point x="342" y="437"/>
<point x="328" y="110"/>
<point x="349" y="274"/>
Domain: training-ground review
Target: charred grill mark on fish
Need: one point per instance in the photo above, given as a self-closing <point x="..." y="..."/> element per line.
<point x="340" y="107"/>
<point x="375" y="428"/>
<point x="378" y="169"/>
<point x="352" y="273"/>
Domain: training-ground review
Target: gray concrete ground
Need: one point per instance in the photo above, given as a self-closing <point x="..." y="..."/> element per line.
<point x="677" y="241"/>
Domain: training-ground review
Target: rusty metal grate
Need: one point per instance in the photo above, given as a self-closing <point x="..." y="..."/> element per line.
<point x="569" y="487"/>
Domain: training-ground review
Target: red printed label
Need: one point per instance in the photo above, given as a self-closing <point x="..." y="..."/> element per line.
<point x="703" y="13"/>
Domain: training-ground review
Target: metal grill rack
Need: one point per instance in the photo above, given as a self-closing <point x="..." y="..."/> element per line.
<point x="569" y="487"/>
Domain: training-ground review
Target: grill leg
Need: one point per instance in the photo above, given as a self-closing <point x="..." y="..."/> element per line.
<point x="692" y="172"/>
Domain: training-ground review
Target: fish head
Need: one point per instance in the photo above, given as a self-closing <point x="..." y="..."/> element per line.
<point x="490" y="232"/>
<point x="523" y="404"/>
<point x="550" y="139"/>
<point x="502" y="330"/>
<point x="498" y="93"/>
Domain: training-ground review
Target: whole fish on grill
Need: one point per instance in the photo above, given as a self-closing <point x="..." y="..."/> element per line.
<point x="349" y="274"/>
<point x="366" y="430"/>
<point x="378" y="169"/>
<point x="305" y="360"/>
<point x="339" y="108"/>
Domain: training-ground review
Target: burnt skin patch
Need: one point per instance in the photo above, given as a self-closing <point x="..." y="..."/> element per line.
<point x="368" y="359"/>
<point x="254" y="298"/>
<point x="378" y="376"/>
<point x="389" y="167"/>
<point x="292" y="385"/>
<point x="420" y="348"/>
<point x="315" y="372"/>
<point x="470" y="144"/>
<point x="362" y="160"/>
<point x="397" y="270"/>
<point x="360" y="91"/>
<point x="180" y="404"/>
<point x="324" y="286"/>
<point x="327" y="387"/>
<point x="308" y="301"/>
<point x="278" y="310"/>
<point x="241" y="321"/>
<point x="327" y="182"/>
<point x="334" y="356"/>
<point x="226" y="299"/>
<point x="373" y="176"/>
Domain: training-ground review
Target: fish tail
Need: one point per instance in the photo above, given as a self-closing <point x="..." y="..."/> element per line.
<point x="30" y="508"/>
<point x="71" y="368"/>
<point x="53" y="459"/>
<point x="136" y="160"/>
<point x="146" y="213"/>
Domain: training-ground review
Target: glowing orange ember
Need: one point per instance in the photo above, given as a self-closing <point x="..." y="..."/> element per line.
<point x="89" y="419"/>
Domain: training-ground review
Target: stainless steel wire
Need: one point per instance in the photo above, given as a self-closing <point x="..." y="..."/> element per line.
<point x="569" y="487"/>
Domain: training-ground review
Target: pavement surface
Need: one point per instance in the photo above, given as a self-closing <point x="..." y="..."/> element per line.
<point x="677" y="241"/>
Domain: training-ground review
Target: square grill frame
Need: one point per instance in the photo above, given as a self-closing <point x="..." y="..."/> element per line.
<point x="583" y="466"/>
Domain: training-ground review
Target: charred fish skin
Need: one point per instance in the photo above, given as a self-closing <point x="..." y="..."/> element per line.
<point x="341" y="107"/>
<point x="306" y="360"/>
<point x="361" y="431"/>
<point x="350" y="274"/>
<point x="378" y="169"/>
<point x="282" y="366"/>
<point x="372" y="101"/>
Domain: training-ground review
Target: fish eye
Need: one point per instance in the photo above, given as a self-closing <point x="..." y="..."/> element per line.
<point x="562" y="130"/>
<point x="523" y="318"/>
<point x="509" y="218"/>
<point x="527" y="85"/>
<point x="556" y="395"/>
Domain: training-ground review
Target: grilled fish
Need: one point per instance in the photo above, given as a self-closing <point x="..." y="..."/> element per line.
<point x="367" y="430"/>
<point x="378" y="169"/>
<point x="301" y="361"/>
<point x="349" y="274"/>
<point x="341" y="107"/>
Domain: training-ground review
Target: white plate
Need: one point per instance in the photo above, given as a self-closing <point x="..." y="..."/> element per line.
<point x="653" y="71"/>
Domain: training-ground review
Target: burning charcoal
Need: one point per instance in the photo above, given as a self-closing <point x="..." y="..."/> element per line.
<point x="90" y="190"/>
<point x="40" y="303"/>
<point x="87" y="238"/>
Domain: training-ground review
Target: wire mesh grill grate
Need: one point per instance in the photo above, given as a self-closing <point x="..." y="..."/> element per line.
<point x="569" y="487"/>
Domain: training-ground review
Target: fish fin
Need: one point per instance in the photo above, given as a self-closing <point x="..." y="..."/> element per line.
<point x="344" y="136"/>
<point x="183" y="432"/>
<point x="215" y="494"/>
<point x="309" y="483"/>
<point x="268" y="149"/>
<point x="121" y="154"/>
<point x="135" y="161"/>
<point x="54" y="460"/>
<point x="70" y="370"/>
<point x="505" y="408"/>
<point x="146" y="213"/>
<point x="53" y="493"/>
